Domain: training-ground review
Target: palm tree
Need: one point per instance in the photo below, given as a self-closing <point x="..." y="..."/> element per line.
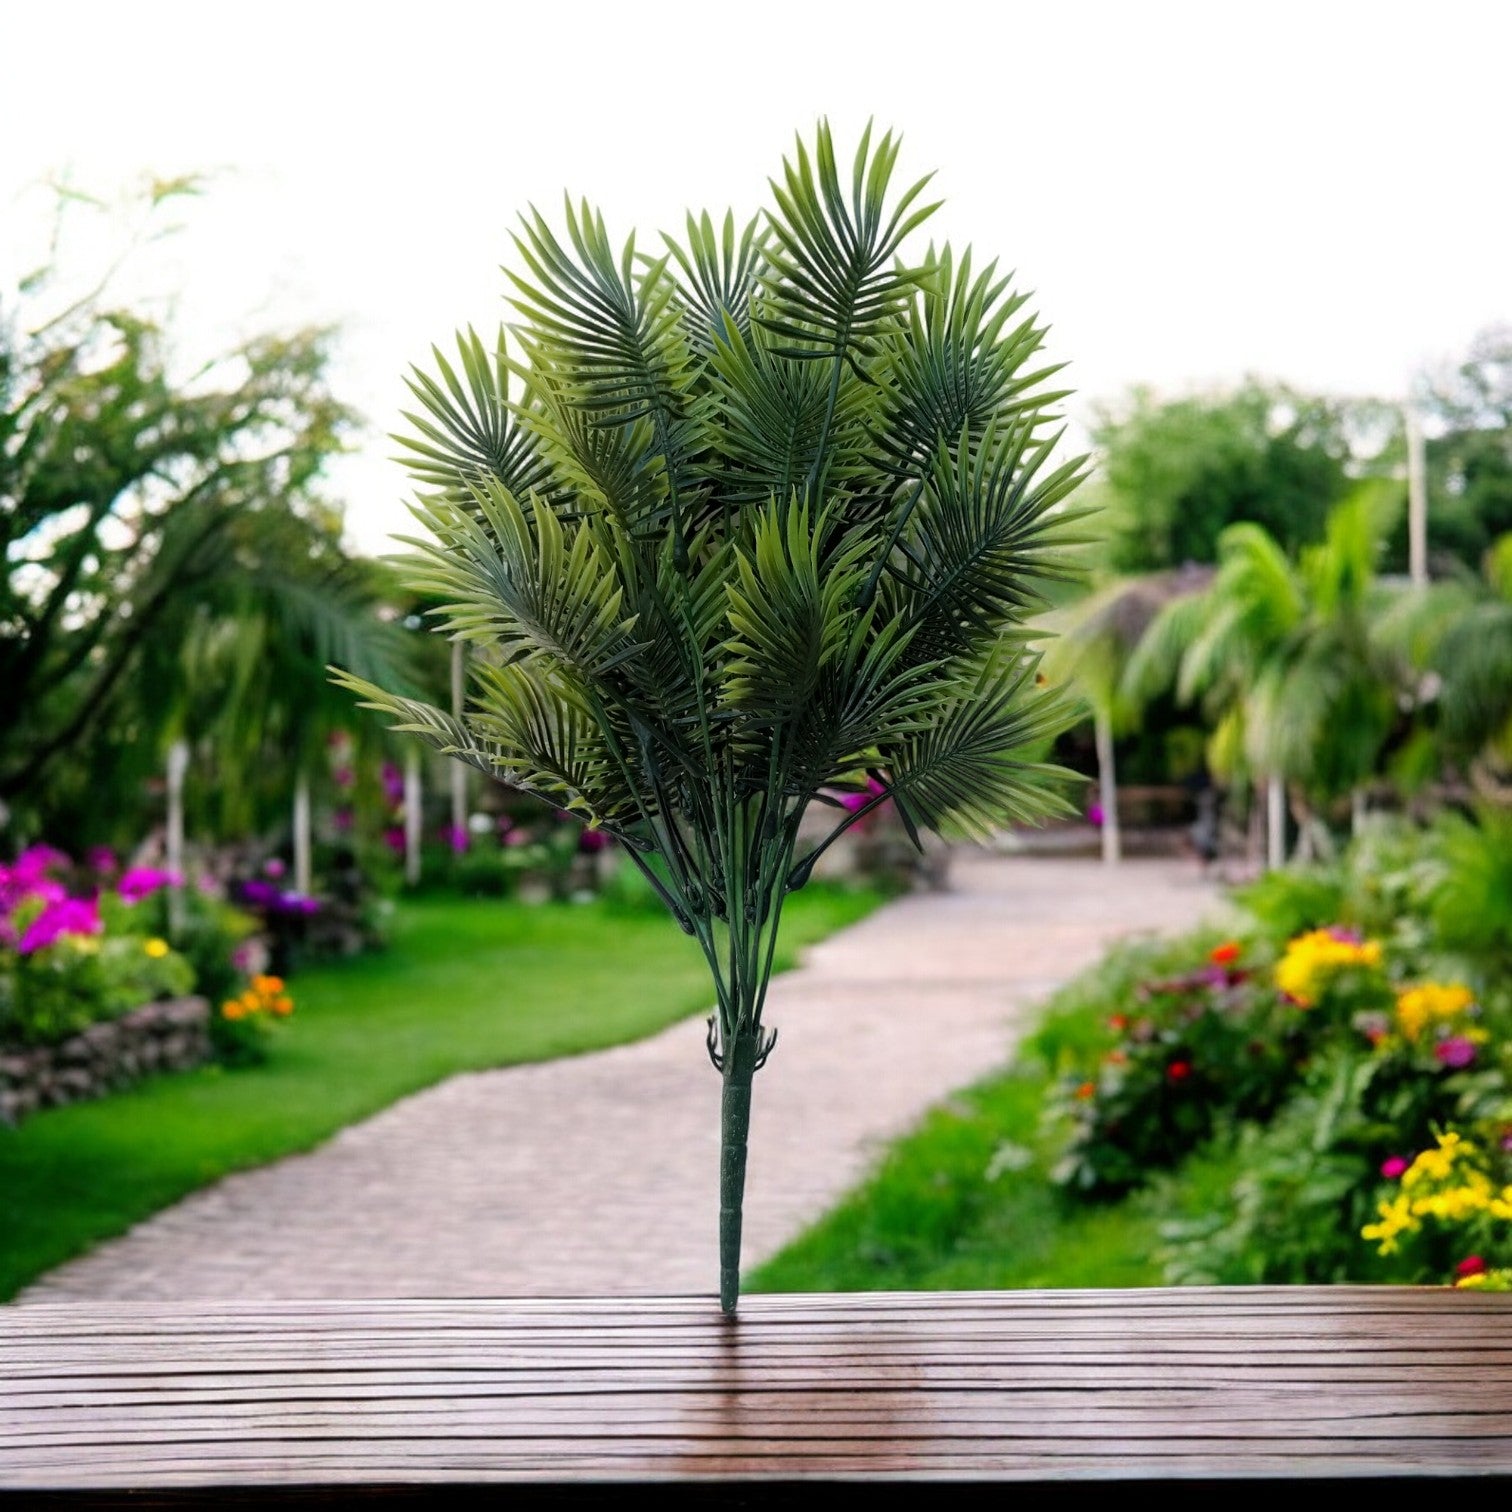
<point x="1457" y="634"/>
<point x="1094" y="639"/>
<point x="1286" y="658"/>
<point x="765" y="515"/>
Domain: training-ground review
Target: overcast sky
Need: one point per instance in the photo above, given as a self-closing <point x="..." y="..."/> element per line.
<point x="1313" y="193"/>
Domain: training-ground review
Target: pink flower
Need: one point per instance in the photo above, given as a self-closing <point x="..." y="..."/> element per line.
<point x="1095" y="815"/>
<point x="393" y="837"/>
<point x="80" y="916"/>
<point x="343" y="777"/>
<point x="342" y="821"/>
<point x="1456" y="1052"/>
<point x="592" y="841"/>
<point x="274" y="868"/>
<point x="1471" y="1265"/>
<point x="103" y="859"/>
<point x="1393" y="1166"/>
<point x="142" y="881"/>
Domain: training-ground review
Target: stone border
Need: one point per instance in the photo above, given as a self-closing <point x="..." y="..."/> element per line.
<point x="167" y="1036"/>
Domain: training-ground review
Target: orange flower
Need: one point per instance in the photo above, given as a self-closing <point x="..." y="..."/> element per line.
<point x="1225" y="954"/>
<point x="1119" y="1021"/>
<point x="1086" y="1090"/>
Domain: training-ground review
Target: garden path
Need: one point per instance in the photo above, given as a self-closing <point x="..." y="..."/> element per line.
<point x="597" y="1175"/>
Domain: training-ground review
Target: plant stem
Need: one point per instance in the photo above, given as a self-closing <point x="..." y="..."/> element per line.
<point x="734" y="1131"/>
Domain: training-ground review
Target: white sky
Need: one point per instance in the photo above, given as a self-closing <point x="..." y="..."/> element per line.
<point x="1315" y="193"/>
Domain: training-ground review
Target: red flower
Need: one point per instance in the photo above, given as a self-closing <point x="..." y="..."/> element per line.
<point x="1119" y="1022"/>
<point x="1225" y="954"/>
<point x="1471" y="1265"/>
<point x="1179" y="1070"/>
<point x="1086" y="1090"/>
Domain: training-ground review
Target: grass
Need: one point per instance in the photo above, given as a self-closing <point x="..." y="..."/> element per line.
<point x="966" y="1201"/>
<point x="465" y="985"/>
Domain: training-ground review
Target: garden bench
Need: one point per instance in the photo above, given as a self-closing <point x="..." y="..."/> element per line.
<point x="105" y="1404"/>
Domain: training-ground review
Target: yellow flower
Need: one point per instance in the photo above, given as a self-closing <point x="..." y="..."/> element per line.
<point x="1429" y="1003"/>
<point x="1313" y="957"/>
<point x="156" y="948"/>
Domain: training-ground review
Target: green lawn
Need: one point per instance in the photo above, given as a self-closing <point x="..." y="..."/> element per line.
<point x="965" y="1202"/>
<point x="465" y="985"/>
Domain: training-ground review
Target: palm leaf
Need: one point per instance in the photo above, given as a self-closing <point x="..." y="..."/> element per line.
<point x="832" y="280"/>
<point x="968" y="775"/>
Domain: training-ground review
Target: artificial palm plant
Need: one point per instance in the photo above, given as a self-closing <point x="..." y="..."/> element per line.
<point x="745" y="521"/>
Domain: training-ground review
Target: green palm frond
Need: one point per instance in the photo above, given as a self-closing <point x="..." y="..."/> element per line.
<point x="1474" y="660"/>
<point x="413" y="716"/>
<point x="468" y="432"/>
<point x="968" y="775"/>
<point x="983" y="539"/>
<point x="954" y="367"/>
<point x="720" y="276"/>
<point x="525" y="585"/>
<point x="546" y="741"/>
<point x="775" y="421"/>
<point x="786" y="616"/>
<point x="832" y="282"/>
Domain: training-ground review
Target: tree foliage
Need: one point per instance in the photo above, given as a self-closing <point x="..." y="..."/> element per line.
<point x="167" y="544"/>
<point x="1174" y="474"/>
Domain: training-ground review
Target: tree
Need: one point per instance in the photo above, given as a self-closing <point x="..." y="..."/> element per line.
<point x="765" y="516"/>
<point x="1094" y="639"/>
<point x="1175" y="474"/>
<point x="1285" y="656"/>
<point x="167" y="544"/>
<point x="1467" y="408"/>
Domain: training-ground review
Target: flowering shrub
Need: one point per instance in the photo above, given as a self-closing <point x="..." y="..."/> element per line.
<point x="1449" y="1217"/>
<point x="1198" y="1052"/>
<point x="68" y="960"/>
<point x="243" y="1027"/>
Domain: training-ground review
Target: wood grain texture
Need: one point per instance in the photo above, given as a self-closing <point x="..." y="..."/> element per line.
<point x="1043" y="1388"/>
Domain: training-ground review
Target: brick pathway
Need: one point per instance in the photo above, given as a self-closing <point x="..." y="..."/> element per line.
<point x="598" y="1174"/>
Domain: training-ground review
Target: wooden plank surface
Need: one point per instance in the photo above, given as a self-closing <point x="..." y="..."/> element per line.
<point x="1179" y="1386"/>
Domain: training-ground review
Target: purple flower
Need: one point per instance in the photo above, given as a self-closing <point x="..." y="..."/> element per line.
<point x="103" y="859"/>
<point x="142" y="881"/>
<point x="1095" y="815"/>
<point x="455" y="836"/>
<point x="259" y="894"/>
<point x="592" y="841"/>
<point x="80" y="916"/>
<point x="298" y="903"/>
<point x="342" y="821"/>
<point x="393" y="783"/>
<point x="343" y="777"/>
<point x="1456" y="1052"/>
<point x="40" y="858"/>
<point x="393" y="837"/>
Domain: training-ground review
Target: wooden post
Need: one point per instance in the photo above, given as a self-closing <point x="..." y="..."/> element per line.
<point x="1275" y="822"/>
<point x="173" y="839"/>
<point x="458" y="769"/>
<point x="1417" y="502"/>
<point x="1107" y="788"/>
<point x="413" y="818"/>
<point x="303" y="880"/>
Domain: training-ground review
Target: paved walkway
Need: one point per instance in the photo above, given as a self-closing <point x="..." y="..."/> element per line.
<point x="598" y="1174"/>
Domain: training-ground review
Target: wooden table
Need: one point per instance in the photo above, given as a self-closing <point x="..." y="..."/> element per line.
<point x="110" y="1404"/>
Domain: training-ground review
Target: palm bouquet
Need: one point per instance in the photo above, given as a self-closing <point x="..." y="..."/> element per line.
<point x="739" y="524"/>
